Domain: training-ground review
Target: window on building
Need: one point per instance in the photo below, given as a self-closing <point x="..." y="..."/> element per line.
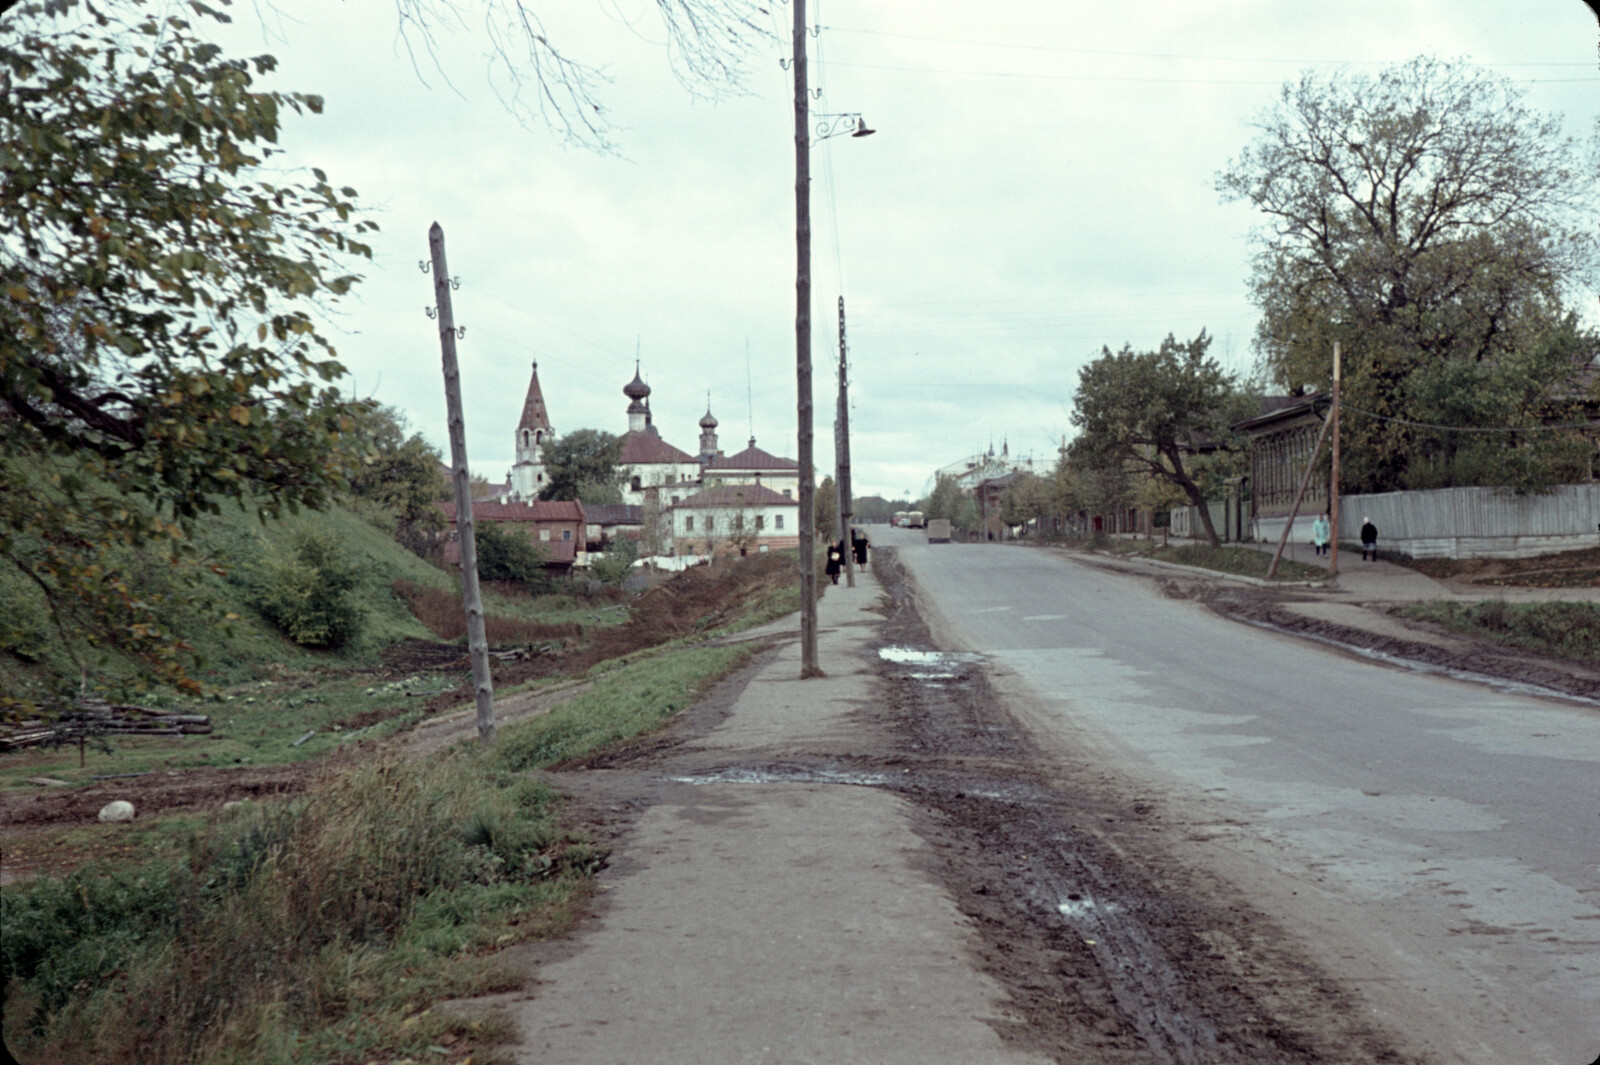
<point x="634" y="482"/>
<point x="566" y="535"/>
<point x="688" y="523"/>
<point x="674" y="500"/>
<point x="544" y="534"/>
<point x="761" y="522"/>
<point x="786" y="493"/>
<point x="777" y="521"/>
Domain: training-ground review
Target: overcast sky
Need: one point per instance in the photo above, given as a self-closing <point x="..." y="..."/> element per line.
<point x="1041" y="184"/>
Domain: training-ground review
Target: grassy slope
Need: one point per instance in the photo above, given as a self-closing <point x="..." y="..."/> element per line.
<point x="411" y="875"/>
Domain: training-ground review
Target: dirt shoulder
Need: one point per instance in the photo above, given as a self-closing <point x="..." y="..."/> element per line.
<point x="1367" y="623"/>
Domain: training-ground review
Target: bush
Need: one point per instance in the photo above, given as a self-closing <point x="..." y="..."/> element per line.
<point x="614" y="566"/>
<point x="308" y="592"/>
<point x="299" y="933"/>
<point x="507" y="556"/>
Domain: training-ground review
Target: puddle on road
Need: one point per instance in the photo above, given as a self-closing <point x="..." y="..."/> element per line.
<point x="930" y="666"/>
<point x="785" y="776"/>
<point x="910" y="656"/>
<point x="1077" y="908"/>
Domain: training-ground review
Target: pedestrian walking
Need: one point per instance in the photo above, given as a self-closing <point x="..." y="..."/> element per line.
<point x="1320" y="531"/>
<point x="858" y="542"/>
<point x="1369" y="540"/>
<point x="835" y="561"/>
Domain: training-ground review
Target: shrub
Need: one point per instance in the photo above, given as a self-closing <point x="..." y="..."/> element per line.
<point x="308" y="592"/>
<point x="614" y="566"/>
<point x="507" y="556"/>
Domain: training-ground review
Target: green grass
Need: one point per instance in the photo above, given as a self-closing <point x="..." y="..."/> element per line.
<point x="228" y="640"/>
<point x="624" y="702"/>
<point x="253" y="724"/>
<point x="312" y="931"/>
<point x="1564" y="630"/>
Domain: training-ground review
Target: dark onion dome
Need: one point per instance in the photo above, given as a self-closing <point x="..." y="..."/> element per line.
<point x="708" y="422"/>
<point x="636" y="389"/>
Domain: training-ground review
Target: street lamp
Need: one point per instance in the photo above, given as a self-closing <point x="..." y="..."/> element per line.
<point x="831" y="126"/>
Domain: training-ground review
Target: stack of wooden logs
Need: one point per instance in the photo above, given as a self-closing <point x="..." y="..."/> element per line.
<point x="96" y="717"/>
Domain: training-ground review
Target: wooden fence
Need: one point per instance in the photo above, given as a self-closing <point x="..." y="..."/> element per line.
<point x="1464" y="522"/>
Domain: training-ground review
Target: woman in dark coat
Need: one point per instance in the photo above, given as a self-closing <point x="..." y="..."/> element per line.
<point x="835" y="561"/>
<point x="858" y="542"/>
<point x="1369" y="540"/>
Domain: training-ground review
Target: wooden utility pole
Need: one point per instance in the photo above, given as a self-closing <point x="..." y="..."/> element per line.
<point x="1294" y="510"/>
<point x="477" y="644"/>
<point x="1333" y="477"/>
<point x="802" y="348"/>
<point x="841" y="450"/>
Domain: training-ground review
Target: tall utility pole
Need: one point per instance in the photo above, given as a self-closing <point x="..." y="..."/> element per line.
<point x="1333" y="476"/>
<point x="841" y="449"/>
<point x="802" y="348"/>
<point x="477" y="644"/>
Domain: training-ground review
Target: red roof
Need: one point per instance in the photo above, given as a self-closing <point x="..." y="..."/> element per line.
<point x="753" y="458"/>
<point x="642" y="447"/>
<point x="539" y="511"/>
<point x="736" y="495"/>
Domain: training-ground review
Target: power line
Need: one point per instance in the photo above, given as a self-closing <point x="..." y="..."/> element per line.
<point x="1157" y="55"/>
<point x="1472" y="428"/>
<point x="1126" y="79"/>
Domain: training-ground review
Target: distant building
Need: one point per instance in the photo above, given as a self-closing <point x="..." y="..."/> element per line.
<point x="556" y="527"/>
<point x="533" y="431"/>
<point x="755" y="466"/>
<point x="734" y="519"/>
<point x="649" y="462"/>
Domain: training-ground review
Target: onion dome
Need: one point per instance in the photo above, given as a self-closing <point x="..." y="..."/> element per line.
<point x="708" y="422"/>
<point x="636" y="389"/>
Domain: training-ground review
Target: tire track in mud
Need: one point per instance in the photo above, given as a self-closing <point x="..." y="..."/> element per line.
<point x="1111" y="950"/>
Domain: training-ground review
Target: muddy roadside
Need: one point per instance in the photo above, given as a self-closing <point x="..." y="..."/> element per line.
<point x="1109" y="950"/>
<point x="1374" y="630"/>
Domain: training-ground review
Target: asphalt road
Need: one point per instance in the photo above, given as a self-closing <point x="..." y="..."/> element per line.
<point x="1434" y="844"/>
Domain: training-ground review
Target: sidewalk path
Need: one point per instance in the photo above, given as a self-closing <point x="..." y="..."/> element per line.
<point x="773" y="921"/>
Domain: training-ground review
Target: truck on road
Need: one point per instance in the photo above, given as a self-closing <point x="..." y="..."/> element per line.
<point x="939" y="531"/>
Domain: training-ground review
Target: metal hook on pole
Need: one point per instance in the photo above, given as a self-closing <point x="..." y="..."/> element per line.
<point x="431" y="312"/>
<point x="461" y="331"/>
<point x="424" y="265"/>
<point x="455" y="284"/>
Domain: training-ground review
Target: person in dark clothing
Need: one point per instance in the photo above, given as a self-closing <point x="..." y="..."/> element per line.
<point x="835" y="561"/>
<point x="1369" y="540"/>
<point x="858" y="542"/>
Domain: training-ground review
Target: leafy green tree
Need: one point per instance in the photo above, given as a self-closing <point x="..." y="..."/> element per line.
<point x="1145" y="412"/>
<point x="1427" y="219"/>
<point x="158" y="350"/>
<point x="825" y="510"/>
<point x="308" y="592"/>
<point x="507" y="555"/>
<point x="614" y="565"/>
<point x="1026" y="499"/>
<point x="944" y="501"/>
<point x="583" y="465"/>
<point x="400" y="473"/>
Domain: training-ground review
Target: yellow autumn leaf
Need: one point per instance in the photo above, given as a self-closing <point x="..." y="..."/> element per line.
<point x="239" y="414"/>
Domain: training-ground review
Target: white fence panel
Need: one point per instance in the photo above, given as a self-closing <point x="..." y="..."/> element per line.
<point x="1473" y="522"/>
